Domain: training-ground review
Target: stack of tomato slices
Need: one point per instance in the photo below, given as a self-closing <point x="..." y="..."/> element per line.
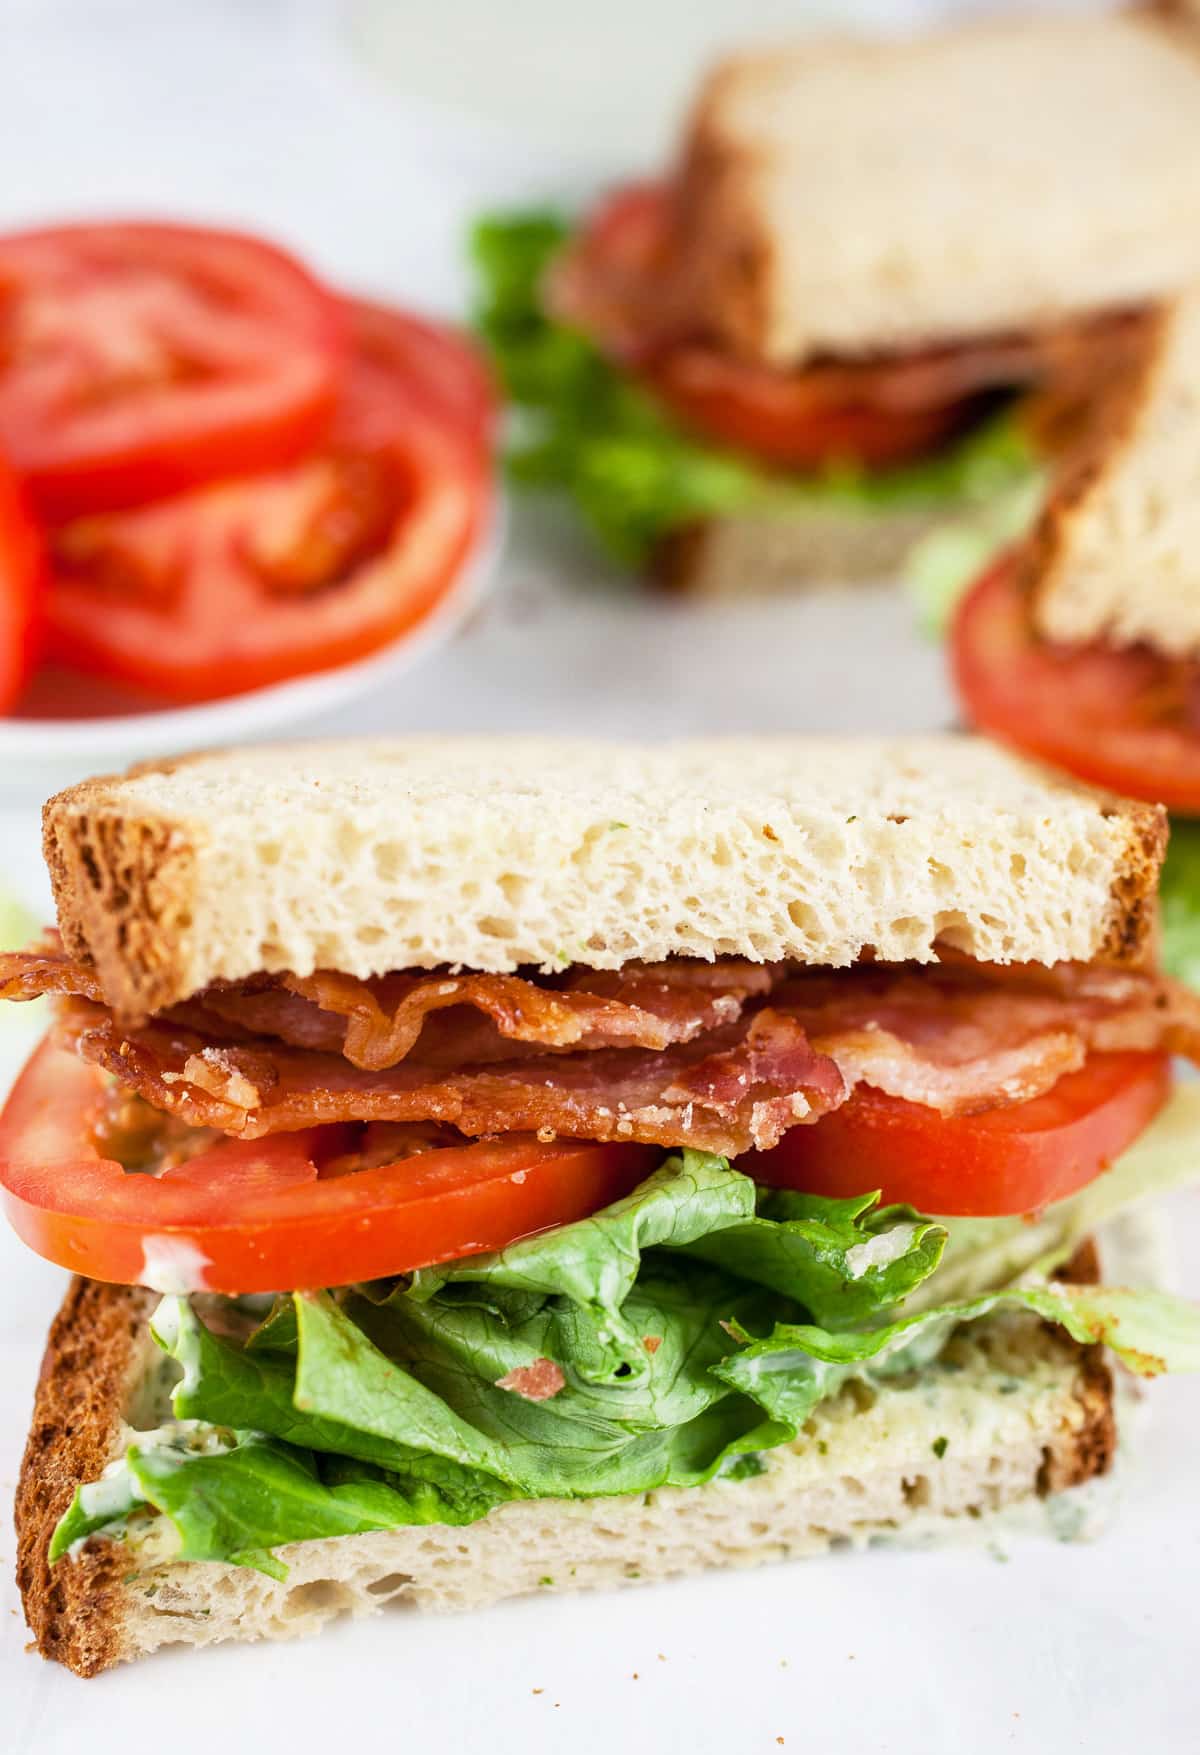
<point x="285" y="1212"/>
<point x="215" y="472"/>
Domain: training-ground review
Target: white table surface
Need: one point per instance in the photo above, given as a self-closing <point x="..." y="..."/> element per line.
<point x="257" y="112"/>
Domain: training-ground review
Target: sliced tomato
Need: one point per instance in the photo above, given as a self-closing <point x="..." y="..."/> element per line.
<point x="442" y="366"/>
<point x="247" y="583"/>
<point x="139" y="359"/>
<point x="276" y="1214"/>
<point x="21" y="580"/>
<point x="1125" y="719"/>
<point x="1012" y="1160"/>
<point x="805" y="420"/>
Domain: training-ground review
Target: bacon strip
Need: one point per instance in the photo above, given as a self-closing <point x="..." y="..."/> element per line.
<point x="966" y="1037"/>
<point x="740" y="1086"/>
<point x="957" y="1037"/>
<point x="378" y="1022"/>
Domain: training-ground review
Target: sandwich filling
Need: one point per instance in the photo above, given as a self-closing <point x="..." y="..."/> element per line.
<point x="654" y="426"/>
<point x="434" y="1241"/>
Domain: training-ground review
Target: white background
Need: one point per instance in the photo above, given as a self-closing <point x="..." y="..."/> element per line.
<point x="366" y="136"/>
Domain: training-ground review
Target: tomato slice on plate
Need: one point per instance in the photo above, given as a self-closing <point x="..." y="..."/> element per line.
<point x="247" y="583"/>
<point x="1122" y="718"/>
<point x="275" y="1214"/>
<point x="21" y="571"/>
<point x="1010" y="1160"/>
<point x="139" y="359"/>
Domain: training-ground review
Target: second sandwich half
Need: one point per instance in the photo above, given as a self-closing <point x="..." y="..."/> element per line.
<point x="511" y="1123"/>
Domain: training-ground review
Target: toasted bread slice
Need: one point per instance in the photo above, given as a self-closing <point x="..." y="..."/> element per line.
<point x="1116" y="554"/>
<point x="760" y="554"/>
<point x="1021" y="1410"/>
<point x="846" y="196"/>
<point x="493" y="854"/>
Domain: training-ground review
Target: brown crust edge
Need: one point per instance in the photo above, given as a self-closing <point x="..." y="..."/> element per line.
<point x="1109" y="428"/>
<point x="124" y="889"/>
<point x="1091" y="1448"/>
<point x="1132" y="933"/>
<point x="725" y="265"/>
<point x="93" y="1354"/>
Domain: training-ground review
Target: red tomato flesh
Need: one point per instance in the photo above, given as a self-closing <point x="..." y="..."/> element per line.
<point x="1126" y="719"/>
<point x="261" y="1214"/>
<point x="795" y="420"/>
<point x="140" y="359"/>
<point x="248" y="583"/>
<point x="21" y="581"/>
<point x="1002" y="1161"/>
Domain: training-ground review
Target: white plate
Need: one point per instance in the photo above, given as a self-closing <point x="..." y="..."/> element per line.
<point x="41" y="753"/>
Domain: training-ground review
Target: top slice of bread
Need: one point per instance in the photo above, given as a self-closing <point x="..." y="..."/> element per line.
<point x="844" y="195"/>
<point x="496" y="853"/>
<point x="1116" y="554"/>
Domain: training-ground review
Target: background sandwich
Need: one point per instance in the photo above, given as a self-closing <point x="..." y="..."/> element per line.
<point x="879" y="286"/>
<point x="594" y="1113"/>
<point x="1082" y="646"/>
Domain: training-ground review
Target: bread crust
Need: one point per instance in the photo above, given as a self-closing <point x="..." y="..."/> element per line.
<point x="765" y="554"/>
<point x="81" y="1611"/>
<point x="123" y="890"/>
<point x="95" y="1353"/>
<point x="1099" y="442"/>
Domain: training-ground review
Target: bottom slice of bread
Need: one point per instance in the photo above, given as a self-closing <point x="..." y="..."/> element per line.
<point x="1013" y="1409"/>
<point x="765" y="553"/>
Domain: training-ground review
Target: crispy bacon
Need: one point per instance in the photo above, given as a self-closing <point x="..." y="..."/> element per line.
<point x="965" y="1037"/>
<point x="458" y="1019"/>
<point x="46" y="969"/>
<point x="739" y="1086"/>
<point x="723" y="1057"/>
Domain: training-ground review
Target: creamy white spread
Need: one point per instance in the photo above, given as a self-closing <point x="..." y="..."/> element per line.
<point x="880" y="1251"/>
<point x="172" y="1264"/>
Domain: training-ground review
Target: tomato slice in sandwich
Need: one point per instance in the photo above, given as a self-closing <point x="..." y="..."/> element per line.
<point x="1122" y="718"/>
<point x="139" y="359"/>
<point x="250" y="582"/>
<point x="1010" y="1160"/>
<point x="282" y="1213"/>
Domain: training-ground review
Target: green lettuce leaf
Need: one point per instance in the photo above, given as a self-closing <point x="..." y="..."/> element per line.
<point x="662" y="1342"/>
<point x="794" y="1367"/>
<point x="634" y="474"/>
<point x="239" y="1500"/>
<point x="1180" y="895"/>
<point x="844" y="1260"/>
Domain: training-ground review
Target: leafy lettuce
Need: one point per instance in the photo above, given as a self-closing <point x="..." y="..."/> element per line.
<point x="635" y="475"/>
<point x="662" y="1342"/>
<point x="1180" y="895"/>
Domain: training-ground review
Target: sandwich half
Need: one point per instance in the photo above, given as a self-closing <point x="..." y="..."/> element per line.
<point x="1081" y="645"/>
<point x="877" y="288"/>
<point x="495" y="1167"/>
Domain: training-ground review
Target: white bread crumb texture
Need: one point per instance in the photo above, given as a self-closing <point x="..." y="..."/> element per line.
<point x="863" y="169"/>
<point x="495" y="855"/>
